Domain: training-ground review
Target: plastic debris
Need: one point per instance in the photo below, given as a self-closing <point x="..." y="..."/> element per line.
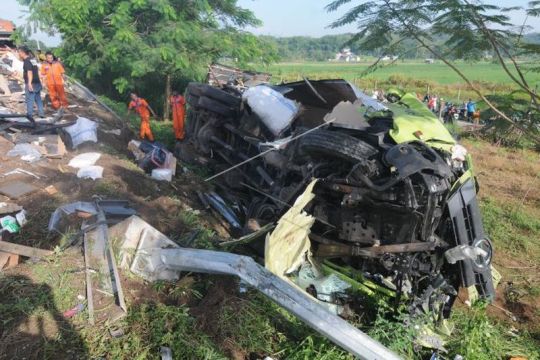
<point x="116" y="132"/>
<point x="27" y="152"/>
<point x="327" y="286"/>
<point x="90" y="172"/>
<point x="162" y="174"/>
<point x="166" y="353"/>
<point x="138" y="245"/>
<point x="84" y="130"/>
<point x="21" y="171"/>
<point x="10" y="224"/>
<point x="21" y="218"/>
<point x="274" y="109"/>
<point x="117" y="333"/>
<point x="84" y="160"/>
<point x="72" y="312"/>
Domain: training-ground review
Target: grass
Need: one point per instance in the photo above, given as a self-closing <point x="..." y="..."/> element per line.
<point x="478" y="337"/>
<point x="411" y="76"/>
<point x="150" y="326"/>
<point x="513" y="230"/>
<point x="438" y="72"/>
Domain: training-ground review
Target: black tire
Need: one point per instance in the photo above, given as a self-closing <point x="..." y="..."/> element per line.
<point x="191" y="99"/>
<point x="215" y="107"/>
<point x="194" y="89"/>
<point x="198" y="89"/>
<point x="335" y="144"/>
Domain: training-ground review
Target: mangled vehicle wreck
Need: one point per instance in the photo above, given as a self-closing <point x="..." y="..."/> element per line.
<point x="395" y="198"/>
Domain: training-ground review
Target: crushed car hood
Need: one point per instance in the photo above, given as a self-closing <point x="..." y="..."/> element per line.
<point x="414" y="121"/>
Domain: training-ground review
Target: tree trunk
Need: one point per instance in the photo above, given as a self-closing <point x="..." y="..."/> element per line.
<point x="166" y="107"/>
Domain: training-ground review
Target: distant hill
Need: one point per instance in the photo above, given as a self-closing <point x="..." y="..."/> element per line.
<point x="533" y="38"/>
<point x="305" y="48"/>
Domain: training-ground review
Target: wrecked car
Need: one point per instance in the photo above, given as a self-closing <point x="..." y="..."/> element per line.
<point x="396" y="194"/>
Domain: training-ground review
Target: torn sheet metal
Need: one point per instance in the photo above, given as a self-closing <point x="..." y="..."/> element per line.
<point x="368" y="101"/>
<point x="113" y="209"/>
<point x="103" y="251"/>
<point x="137" y="245"/>
<point x="59" y="213"/>
<point x="105" y="279"/>
<point x="348" y="115"/>
<point x="287" y="295"/>
<point x="288" y="245"/>
<point x="464" y="252"/>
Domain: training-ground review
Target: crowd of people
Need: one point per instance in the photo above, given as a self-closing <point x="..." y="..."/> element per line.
<point x="449" y="111"/>
<point x="39" y="70"/>
<point x="44" y="71"/>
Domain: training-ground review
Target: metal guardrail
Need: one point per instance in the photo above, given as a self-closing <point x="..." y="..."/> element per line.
<point x="285" y="294"/>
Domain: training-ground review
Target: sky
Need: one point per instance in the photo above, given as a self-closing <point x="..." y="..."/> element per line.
<point x="308" y="17"/>
<point x="280" y="17"/>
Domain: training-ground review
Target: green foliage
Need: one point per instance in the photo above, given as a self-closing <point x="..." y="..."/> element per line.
<point x="149" y="326"/>
<point x="518" y="105"/>
<point x="119" y="46"/>
<point x="478" y="337"/>
<point x="512" y="229"/>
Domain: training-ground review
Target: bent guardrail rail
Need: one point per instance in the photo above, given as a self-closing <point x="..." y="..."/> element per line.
<point x="310" y="312"/>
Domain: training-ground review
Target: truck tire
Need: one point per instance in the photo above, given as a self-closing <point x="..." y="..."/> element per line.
<point x="227" y="99"/>
<point x="194" y="89"/>
<point x="191" y="99"/>
<point x="215" y="107"/>
<point x="335" y="144"/>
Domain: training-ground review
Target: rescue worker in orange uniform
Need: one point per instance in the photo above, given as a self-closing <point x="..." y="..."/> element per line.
<point x="178" y="104"/>
<point x="143" y="109"/>
<point x="52" y="73"/>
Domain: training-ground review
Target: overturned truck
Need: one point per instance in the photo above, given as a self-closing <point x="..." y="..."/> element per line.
<point x="395" y="198"/>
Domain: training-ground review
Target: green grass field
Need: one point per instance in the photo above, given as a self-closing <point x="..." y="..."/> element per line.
<point x="438" y="72"/>
<point x="417" y="77"/>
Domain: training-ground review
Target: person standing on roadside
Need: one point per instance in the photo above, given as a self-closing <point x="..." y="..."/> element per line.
<point x="52" y="72"/>
<point x="32" y="83"/>
<point x="471" y="108"/>
<point x="178" y="104"/>
<point x="143" y="109"/>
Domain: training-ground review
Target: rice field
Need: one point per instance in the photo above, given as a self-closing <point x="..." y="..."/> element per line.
<point x="438" y="72"/>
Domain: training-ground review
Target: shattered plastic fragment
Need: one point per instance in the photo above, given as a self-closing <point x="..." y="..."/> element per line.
<point x="27" y="152"/>
<point x="84" y="160"/>
<point x="85" y="130"/>
<point x="162" y="174"/>
<point x="21" y="218"/>
<point x="9" y="223"/>
<point x="90" y="172"/>
<point x="288" y="245"/>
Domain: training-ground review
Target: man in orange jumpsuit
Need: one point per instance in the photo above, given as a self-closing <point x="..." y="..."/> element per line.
<point x="143" y="109"/>
<point x="52" y="73"/>
<point x="178" y="104"/>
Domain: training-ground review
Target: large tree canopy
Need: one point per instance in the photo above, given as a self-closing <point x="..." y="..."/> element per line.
<point x="139" y="43"/>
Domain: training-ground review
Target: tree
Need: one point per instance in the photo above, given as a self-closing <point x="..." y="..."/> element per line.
<point x="468" y="29"/>
<point x="120" y="45"/>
